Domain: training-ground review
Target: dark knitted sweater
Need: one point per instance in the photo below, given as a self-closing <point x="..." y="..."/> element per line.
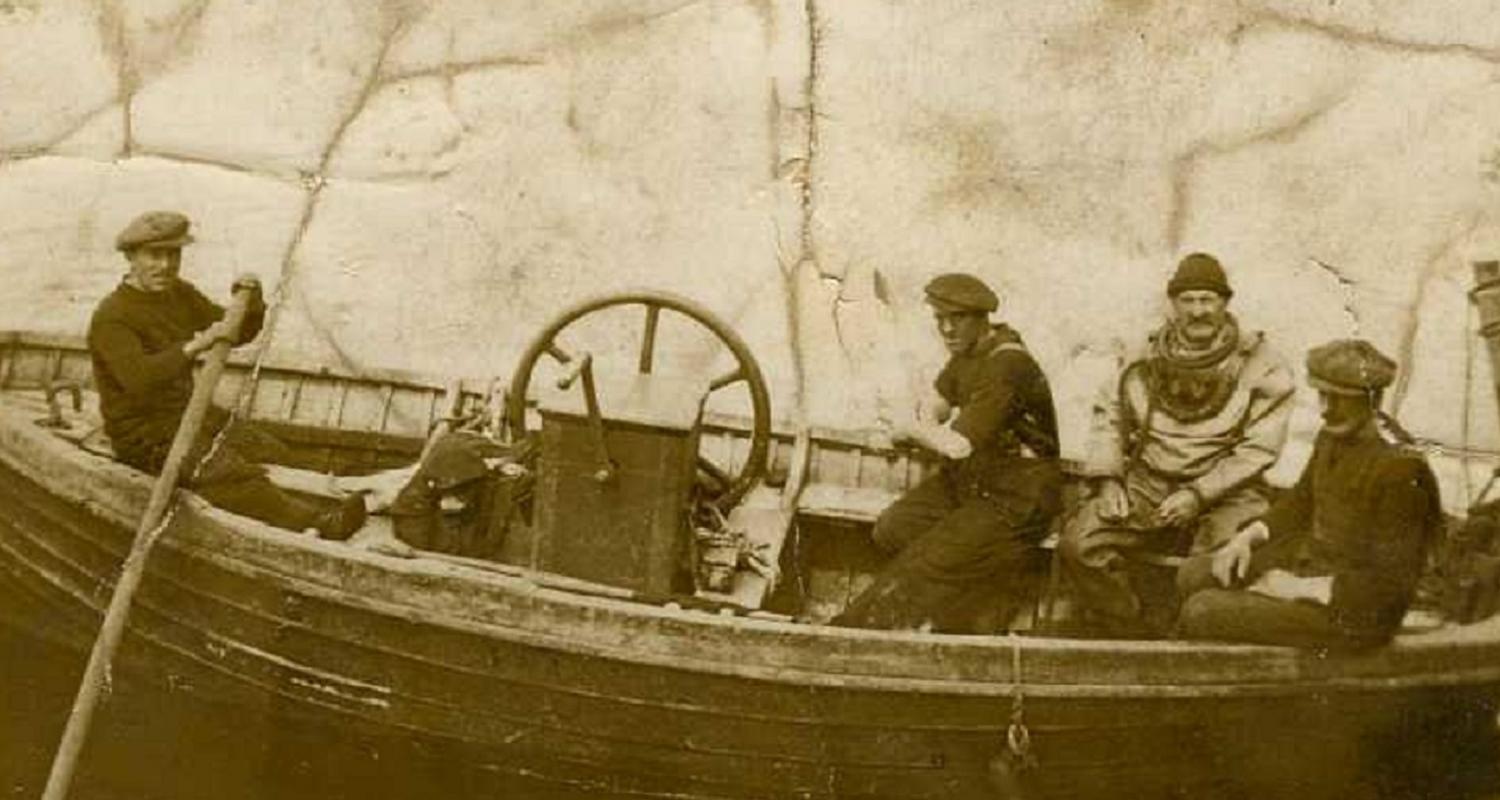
<point x="1004" y="404"/>
<point x="143" y="378"/>
<point x="1363" y="512"/>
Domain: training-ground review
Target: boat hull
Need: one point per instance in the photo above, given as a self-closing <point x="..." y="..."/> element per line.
<point x="572" y="724"/>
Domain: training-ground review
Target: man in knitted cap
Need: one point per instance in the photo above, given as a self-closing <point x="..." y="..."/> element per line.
<point x="962" y="539"/>
<point x="144" y="338"/>
<point x="1334" y="563"/>
<point x="1177" y="453"/>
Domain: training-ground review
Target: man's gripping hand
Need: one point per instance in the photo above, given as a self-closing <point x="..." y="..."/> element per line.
<point x="206" y="338"/>
<point x="1179" y="508"/>
<point x="1231" y="563"/>
<point x="246" y="280"/>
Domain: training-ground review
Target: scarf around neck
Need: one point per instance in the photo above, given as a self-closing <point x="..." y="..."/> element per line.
<point x="1192" y="383"/>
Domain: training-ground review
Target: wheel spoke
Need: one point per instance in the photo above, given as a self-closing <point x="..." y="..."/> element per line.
<point x="733" y="376"/>
<point x="715" y="471"/>
<point x="648" y="338"/>
<point x="558" y="353"/>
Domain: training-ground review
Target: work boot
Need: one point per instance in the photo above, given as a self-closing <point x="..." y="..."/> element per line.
<point x="341" y="521"/>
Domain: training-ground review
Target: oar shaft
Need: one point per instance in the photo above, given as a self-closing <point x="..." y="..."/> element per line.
<point x="96" y="674"/>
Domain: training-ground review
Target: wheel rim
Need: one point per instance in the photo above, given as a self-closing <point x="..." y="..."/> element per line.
<point x="746" y="370"/>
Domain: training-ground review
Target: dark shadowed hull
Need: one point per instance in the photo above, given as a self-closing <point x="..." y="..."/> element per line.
<point x="541" y="692"/>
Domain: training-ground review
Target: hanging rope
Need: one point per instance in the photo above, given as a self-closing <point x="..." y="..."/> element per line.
<point x="1010" y="768"/>
<point x="1017" y="735"/>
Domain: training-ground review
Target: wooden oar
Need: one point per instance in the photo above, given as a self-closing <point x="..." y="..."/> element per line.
<point x="97" y="673"/>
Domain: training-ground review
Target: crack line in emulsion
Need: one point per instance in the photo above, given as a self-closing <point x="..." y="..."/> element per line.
<point x="314" y="182"/>
<point x="285" y="176"/>
<point x="115" y="42"/>
<point x="1346" y="289"/>
<point x="1373" y="39"/>
<point x="450" y="70"/>
<point x="1185" y="164"/>
<point x="1431" y="271"/>
<point x="44" y="149"/>
<point x="798" y="168"/>
<point x="806" y="177"/>
<point x="182" y="24"/>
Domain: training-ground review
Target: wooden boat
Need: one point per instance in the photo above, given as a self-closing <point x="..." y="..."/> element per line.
<point x="550" y="685"/>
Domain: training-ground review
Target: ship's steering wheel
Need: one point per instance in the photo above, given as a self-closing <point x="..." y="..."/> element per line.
<point x="734" y="486"/>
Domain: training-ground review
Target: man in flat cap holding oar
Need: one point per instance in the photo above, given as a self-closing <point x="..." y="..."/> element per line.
<point x="1335" y="562"/>
<point x="964" y="537"/>
<point x="144" y="338"/>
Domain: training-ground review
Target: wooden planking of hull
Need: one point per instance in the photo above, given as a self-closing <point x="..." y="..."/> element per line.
<point x="591" y="695"/>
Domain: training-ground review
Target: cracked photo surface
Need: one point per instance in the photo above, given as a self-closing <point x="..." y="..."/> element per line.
<point x="716" y="399"/>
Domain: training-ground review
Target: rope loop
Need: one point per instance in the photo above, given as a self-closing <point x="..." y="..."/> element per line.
<point x="1018" y="739"/>
<point x="1017" y="735"/>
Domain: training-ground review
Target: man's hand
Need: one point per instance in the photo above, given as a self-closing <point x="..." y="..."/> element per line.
<point x="936" y="410"/>
<point x="938" y="438"/>
<point x="1112" y="500"/>
<point x="1231" y="563"/>
<point x="246" y="280"/>
<point x="1180" y="508"/>
<point x="902" y="429"/>
<point x="205" y="339"/>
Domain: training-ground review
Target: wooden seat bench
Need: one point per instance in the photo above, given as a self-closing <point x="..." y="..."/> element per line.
<point x="862" y="506"/>
<point x="852" y="504"/>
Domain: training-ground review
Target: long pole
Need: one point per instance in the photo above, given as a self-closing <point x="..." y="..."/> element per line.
<point x="1486" y="295"/>
<point x="110" y="632"/>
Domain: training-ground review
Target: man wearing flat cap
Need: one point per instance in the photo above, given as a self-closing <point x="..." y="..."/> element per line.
<point x="1177" y="451"/>
<point x="962" y="539"/>
<point x="1334" y="563"/>
<point x="144" y="338"/>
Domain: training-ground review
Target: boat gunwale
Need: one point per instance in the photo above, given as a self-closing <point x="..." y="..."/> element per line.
<point x="737" y="425"/>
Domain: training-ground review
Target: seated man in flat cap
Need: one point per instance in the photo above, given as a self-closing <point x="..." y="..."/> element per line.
<point x="964" y="537"/>
<point x="1177" y="453"/>
<point x="1335" y="562"/>
<point x="144" y="338"/>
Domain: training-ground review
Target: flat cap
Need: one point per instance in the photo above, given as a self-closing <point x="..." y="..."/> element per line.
<point x="1349" y="366"/>
<point x="959" y="292"/>
<point x="155" y="229"/>
<point x="455" y="459"/>
<point x="1202" y="272"/>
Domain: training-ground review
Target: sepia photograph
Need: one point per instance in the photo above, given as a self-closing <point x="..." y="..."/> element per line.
<point x="749" y="399"/>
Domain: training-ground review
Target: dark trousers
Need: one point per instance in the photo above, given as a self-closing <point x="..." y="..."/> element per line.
<point x="224" y="468"/>
<point x="961" y="563"/>
<point x="1239" y="615"/>
<point x="1233" y="615"/>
